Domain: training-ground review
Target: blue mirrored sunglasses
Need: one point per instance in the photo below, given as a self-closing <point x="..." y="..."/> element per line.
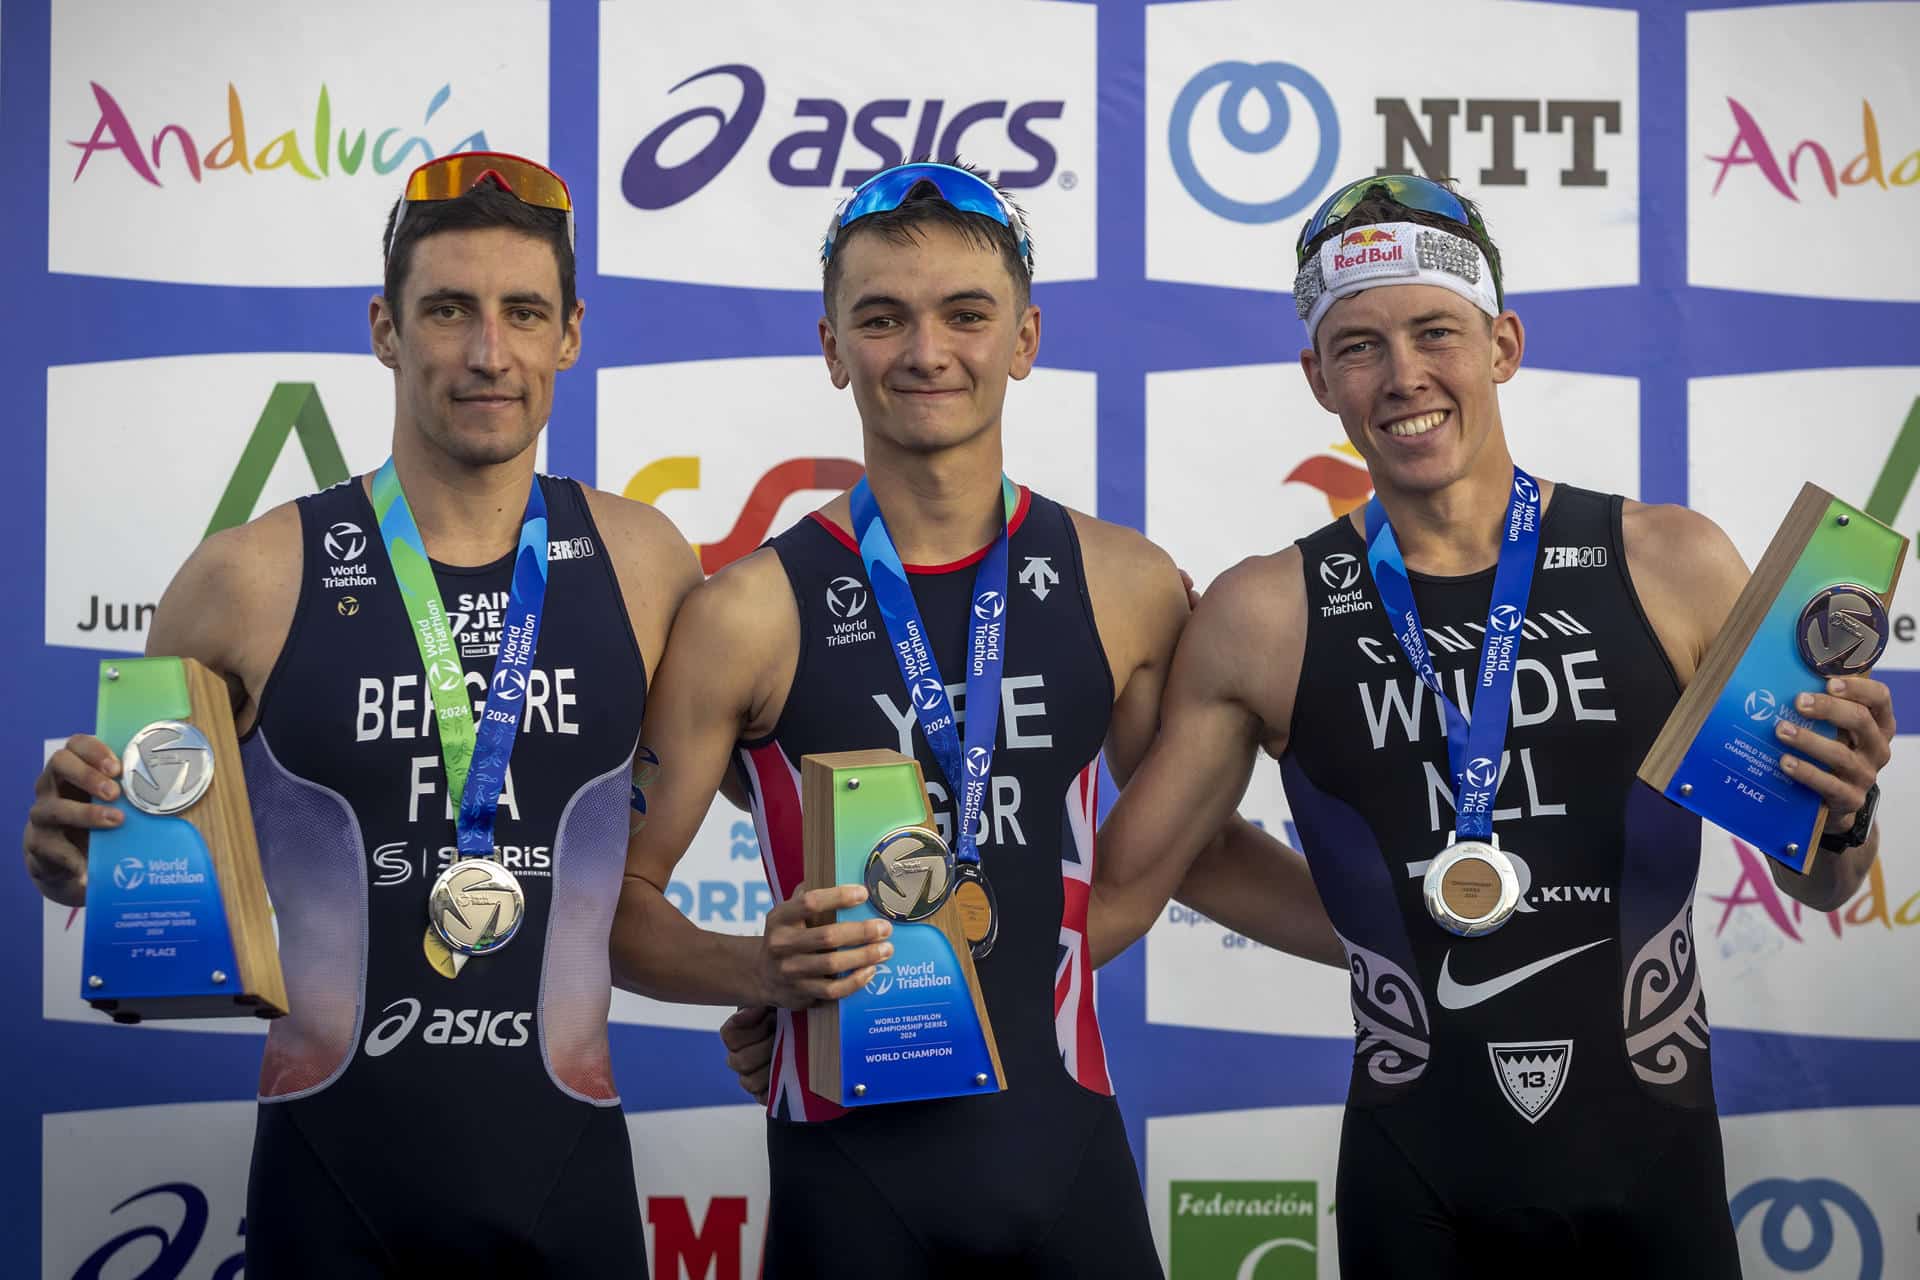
<point x="963" y="190"/>
<point x="1409" y="189"/>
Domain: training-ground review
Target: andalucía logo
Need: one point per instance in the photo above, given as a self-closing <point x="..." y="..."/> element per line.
<point x="781" y="481"/>
<point x="1245" y="1230"/>
<point x="172" y="149"/>
<point x="1779" y="159"/>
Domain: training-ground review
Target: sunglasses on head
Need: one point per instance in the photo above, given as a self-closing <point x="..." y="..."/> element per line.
<point x="890" y="188"/>
<point x="451" y="177"/>
<point x="1406" y="189"/>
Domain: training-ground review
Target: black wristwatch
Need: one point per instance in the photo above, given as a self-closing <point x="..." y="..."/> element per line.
<point x="1856" y="835"/>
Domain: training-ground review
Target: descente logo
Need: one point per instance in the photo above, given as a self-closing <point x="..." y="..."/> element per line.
<point x="503" y="1028"/>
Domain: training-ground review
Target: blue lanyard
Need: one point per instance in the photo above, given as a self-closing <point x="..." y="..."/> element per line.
<point x="475" y="757"/>
<point x="1473" y="750"/>
<point x="970" y="768"/>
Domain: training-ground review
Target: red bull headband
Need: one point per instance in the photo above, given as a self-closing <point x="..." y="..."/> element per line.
<point x="1389" y="253"/>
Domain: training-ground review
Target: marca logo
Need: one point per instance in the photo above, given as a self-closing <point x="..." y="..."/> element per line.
<point x="173" y="150"/>
<point x="780" y="482"/>
<point x="885" y="131"/>
<point x="711" y="1251"/>
<point x="1531" y="1075"/>
<point x="1810" y="1201"/>
<point x="503" y="1029"/>
<point x="1244" y="1230"/>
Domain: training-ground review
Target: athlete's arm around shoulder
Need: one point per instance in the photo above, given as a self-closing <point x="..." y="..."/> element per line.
<point x="730" y="659"/>
<point x="229" y="608"/>
<point x="1227" y="689"/>
<point x="1688" y="575"/>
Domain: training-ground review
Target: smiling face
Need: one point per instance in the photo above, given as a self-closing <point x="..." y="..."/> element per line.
<point x="475" y="341"/>
<point x="926" y="333"/>
<point x="1411" y="370"/>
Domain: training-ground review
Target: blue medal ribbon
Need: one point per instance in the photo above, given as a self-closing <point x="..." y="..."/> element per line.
<point x="1474" y="749"/>
<point x="967" y="768"/>
<point x="475" y="756"/>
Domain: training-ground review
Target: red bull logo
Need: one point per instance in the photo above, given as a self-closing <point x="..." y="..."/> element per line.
<point x="1368" y="236"/>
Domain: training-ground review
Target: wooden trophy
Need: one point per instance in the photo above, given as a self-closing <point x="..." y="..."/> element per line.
<point x="1815" y="607"/>
<point x="178" y="924"/>
<point x="919" y="1028"/>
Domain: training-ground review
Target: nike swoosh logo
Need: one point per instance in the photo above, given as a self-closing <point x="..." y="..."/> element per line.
<point x="1464" y="995"/>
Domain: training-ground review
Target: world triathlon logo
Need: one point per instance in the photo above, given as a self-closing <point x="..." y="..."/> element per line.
<point x="1505" y="617"/>
<point x="881" y="982"/>
<point x="344" y="541"/>
<point x="846" y="597"/>
<point x="1482" y="773"/>
<point x="989" y="605"/>
<point x="1340" y="571"/>
<point x="1237" y="82"/>
<point x="979" y="760"/>
<point x="510" y="684"/>
<point x="927" y="694"/>
<point x="130" y="873"/>
<point x="446" y="675"/>
<point x="1526" y="488"/>
<point x="1761" y="707"/>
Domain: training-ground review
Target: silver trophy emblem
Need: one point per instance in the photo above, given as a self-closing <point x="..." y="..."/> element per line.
<point x="168" y="767"/>
<point x="909" y="874"/>
<point x="1843" y="630"/>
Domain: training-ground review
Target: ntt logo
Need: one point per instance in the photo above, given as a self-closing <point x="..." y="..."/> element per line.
<point x="1236" y="82"/>
<point x="870" y="136"/>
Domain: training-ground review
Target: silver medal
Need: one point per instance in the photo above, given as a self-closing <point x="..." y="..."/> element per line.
<point x="1471" y="888"/>
<point x="475" y="906"/>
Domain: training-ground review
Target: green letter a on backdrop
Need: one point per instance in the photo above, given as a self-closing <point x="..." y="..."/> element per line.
<point x="293" y="407"/>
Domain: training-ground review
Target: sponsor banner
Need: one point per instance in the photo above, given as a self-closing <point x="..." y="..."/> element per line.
<point x="1221" y="495"/>
<point x="713" y="133"/>
<point x="1826" y="1195"/>
<point x="1866" y="453"/>
<point x="1245" y="1193"/>
<point x="1787" y="170"/>
<point x="1203" y="974"/>
<point x="254" y="144"/>
<point x="1771" y="964"/>
<point x="702" y="1178"/>
<point x="171" y="1197"/>
<point x="735" y="451"/>
<point x="1256" y="112"/>
<point x="168" y="450"/>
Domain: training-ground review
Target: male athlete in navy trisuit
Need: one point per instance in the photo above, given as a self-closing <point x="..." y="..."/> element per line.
<point x="785" y="654"/>
<point x="1536" y="1100"/>
<point x="423" y="1112"/>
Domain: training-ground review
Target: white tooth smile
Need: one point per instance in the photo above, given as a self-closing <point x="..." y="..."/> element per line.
<point x="1417" y="426"/>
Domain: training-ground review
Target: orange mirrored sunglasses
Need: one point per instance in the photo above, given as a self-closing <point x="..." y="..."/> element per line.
<point x="451" y="177"/>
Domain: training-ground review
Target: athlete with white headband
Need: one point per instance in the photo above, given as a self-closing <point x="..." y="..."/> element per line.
<point x="1531" y="1088"/>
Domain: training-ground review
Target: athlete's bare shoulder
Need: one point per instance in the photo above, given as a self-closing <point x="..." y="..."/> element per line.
<point x="742" y="627"/>
<point x="231" y="604"/>
<point x="1248" y="638"/>
<point x="1687" y="573"/>
<point x="652" y="562"/>
<point x="1139" y="602"/>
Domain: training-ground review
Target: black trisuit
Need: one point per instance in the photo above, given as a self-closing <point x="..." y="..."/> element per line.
<point x="1538" y="1100"/>
<point x="410" y="1124"/>
<point x="1038" y="1180"/>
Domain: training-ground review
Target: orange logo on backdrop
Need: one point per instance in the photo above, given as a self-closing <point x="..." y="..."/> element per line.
<point x="1345" y="484"/>
<point x="782" y="481"/>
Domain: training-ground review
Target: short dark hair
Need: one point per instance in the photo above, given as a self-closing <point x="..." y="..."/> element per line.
<point x="924" y="207"/>
<point x="1376" y="206"/>
<point x="485" y="205"/>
